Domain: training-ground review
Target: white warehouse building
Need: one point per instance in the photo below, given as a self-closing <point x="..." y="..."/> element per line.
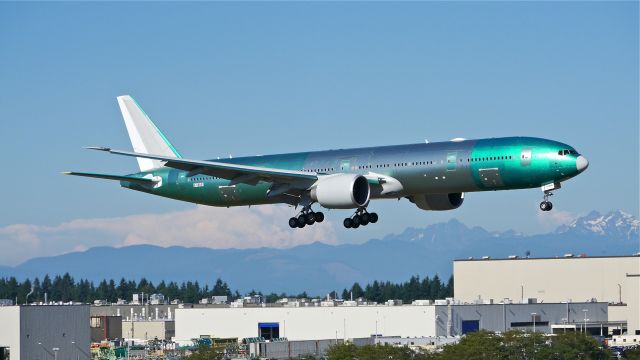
<point x="348" y="322"/>
<point x="611" y="279"/>
<point x="44" y="332"/>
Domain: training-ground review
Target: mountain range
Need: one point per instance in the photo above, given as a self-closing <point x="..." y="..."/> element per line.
<point x="319" y="268"/>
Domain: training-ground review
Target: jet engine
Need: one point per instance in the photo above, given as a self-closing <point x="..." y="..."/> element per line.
<point x="341" y="191"/>
<point x="438" y="201"/>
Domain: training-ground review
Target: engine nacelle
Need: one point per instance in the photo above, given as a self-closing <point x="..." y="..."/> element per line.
<point x="342" y="191"/>
<point x="438" y="202"/>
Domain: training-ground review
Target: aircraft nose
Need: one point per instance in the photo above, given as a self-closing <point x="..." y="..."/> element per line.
<point x="582" y="163"/>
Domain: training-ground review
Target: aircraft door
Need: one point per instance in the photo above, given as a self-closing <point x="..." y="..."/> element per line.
<point x="452" y="160"/>
<point x="525" y="157"/>
<point x="347" y="165"/>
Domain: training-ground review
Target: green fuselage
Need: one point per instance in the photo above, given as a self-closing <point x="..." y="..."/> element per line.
<point x="426" y="168"/>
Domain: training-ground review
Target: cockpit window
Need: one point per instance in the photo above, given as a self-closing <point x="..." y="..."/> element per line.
<point x="567" y="152"/>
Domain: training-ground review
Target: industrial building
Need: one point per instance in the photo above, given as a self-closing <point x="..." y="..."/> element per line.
<point x="145" y="329"/>
<point x="44" y="332"/>
<point x="611" y="279"/>
<point x="105" y="328"/>
<point x="447" y="318"/>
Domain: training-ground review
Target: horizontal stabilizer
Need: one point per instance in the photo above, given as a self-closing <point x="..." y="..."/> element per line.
<point x="137" y="180"/>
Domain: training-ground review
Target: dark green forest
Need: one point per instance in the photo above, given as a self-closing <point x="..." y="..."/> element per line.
<point x="65" y="288"/>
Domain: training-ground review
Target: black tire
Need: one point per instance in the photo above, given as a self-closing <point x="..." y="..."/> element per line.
<point x="293" y="223"/>
<point x="310" y="218"/>
<point x="550" y="206"/>
<point x="366" y="218"/>
<point x="543" y="206"/>
<point x="356" y="220"/>
<point x="319" y="217"/>
<point x="302" y="221"/>
<point x="373" y="218"/>
<point x="347" y="223"/>
<point x="355" y="226"/>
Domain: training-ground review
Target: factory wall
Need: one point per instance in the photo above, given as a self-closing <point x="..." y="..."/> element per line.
<point x="307" y="323"/>
<point x="10" y="330"/>
<point x="148" y="329"/>
<point x="65" y="327"/>
<point x="31" y="332"/>
<point x="504" y="317"/>
<point x="612" y="279"/>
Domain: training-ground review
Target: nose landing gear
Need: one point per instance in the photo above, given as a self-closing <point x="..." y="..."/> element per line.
<point x="546" y="205"/>
<point x="361" y="217"/>
<point x="306" y="217"/>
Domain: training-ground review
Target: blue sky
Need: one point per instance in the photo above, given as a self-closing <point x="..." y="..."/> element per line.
<point x="258" y="78"/>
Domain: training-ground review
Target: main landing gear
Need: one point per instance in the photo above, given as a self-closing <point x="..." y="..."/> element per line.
<point x="546" y="205"/>
<point x="306" y="217"/>
<point x="361" y="217"/>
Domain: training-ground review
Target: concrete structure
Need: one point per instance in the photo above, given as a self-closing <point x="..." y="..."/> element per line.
<point x="44" y="332"/>
<point x="148" y="329"/>
<point x="346" y="322"/>
<point x="611" y="279"/>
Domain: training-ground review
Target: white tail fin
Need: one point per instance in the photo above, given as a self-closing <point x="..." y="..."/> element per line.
<point x="145" y="137"/>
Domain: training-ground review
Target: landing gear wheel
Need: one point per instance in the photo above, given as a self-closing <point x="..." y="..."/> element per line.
<point x="302" y="221"/>
<point x="319" y="216"/>
<point x="366" y="218"/>
<point x="355" y="226"/>
<point x="293" y="223"/>
<point x="546" y="206"/>
<point x="356" y="221"/>
<point x="310" y="218"/>
<point x="373" y="218"/>
<point x="348" y="223"/>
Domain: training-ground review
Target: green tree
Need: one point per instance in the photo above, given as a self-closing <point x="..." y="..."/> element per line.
<point x="632" y="354"/>
<point x="357" y="291"/>
<point x="372" y="352"/>
<point x="204" y="353"/>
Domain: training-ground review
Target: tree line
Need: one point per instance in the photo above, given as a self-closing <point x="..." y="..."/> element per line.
<point x="488" y="345"/>
<point x="65" y="288"/>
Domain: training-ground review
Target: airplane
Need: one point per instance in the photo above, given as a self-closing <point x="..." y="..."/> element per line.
<point x="433" y="176"/>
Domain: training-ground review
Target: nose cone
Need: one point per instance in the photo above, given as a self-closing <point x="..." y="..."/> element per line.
<point x="582" y="163"/>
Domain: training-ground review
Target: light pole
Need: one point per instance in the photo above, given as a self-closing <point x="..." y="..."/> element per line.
<point x="533" y="315"/>
<point x="55" y="353"/>
<point x="585" y="320"/>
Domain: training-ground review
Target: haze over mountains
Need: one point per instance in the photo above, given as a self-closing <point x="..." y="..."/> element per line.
<point x="319" y="268"/>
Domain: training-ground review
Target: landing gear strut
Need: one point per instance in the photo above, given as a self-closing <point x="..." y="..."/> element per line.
<point x="546" y="205"/>
<point x="361" y="217"/>
<point x="306" y="217"/>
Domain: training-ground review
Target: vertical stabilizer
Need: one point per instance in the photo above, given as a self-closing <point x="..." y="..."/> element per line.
<point x="145" y="137"/>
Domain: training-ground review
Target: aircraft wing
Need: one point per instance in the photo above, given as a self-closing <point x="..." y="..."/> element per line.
<point x="235" y="172"/>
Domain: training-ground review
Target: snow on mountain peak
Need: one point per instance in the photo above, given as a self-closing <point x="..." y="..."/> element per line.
<point x="615" y="223"/>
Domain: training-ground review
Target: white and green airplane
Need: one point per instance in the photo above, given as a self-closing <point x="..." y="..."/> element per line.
<point x="433" y="176"/>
